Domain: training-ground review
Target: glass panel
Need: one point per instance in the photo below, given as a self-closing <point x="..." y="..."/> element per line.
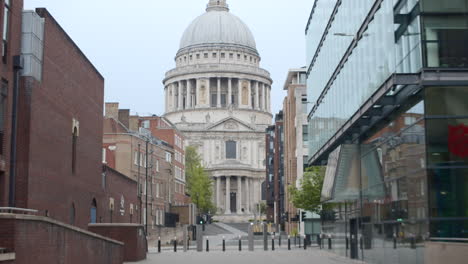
<point x="444" y="36"/>
<point x="444" y="6"/>
<point x="447" y="101"/>
<point x="449" y="201"/>
<point x="447" y="141"/>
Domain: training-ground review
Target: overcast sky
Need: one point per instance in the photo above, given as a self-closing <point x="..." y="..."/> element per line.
<point x="133" y="43"/>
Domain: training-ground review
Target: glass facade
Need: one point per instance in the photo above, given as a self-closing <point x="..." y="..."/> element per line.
<point x="403" y="182"/>
<point x="382" y="201"/>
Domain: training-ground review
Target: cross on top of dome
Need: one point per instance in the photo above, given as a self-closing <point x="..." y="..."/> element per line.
<point x="217" y="5"/>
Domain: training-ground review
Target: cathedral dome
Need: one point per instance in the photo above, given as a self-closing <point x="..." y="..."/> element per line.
<point x="218" y="27"/>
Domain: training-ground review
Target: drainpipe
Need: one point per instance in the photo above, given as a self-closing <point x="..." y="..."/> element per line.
<point x="17" y="66"/>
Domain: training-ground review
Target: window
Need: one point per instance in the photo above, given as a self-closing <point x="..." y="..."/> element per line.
<point x="93" y="212"/>
<point x="3" y="97"/>
<point x="191" y="57"/>
<point x="104" y="155"/>
<point x="198" y="56"/>
<point x="135" y="158"/>
<point x="214" y="55"/>
<point x="74" y="143"/>
<point x="238" y="56"/>
<point x="169" y="157"/>
<point x="409" y="120"/>
<point x="146" y="124"/>
<point x="245" y="57"/>
<point x="205" y="55"/>
<point x="231" y="150"/>
<point x="6" y="27"/>
<point x="231" y="55"/>
<point x="72" y="214"/>
<point x="157" y="165"/>
<point x="223" y="55"/>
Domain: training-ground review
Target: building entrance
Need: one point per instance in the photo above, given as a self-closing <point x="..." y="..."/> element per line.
<point x="233" y="202"/>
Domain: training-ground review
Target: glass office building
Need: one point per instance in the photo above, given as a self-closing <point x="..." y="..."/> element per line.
<point x="388" y="92"/>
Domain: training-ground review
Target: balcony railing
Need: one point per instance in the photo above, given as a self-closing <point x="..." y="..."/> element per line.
<point x="201" y="68"/>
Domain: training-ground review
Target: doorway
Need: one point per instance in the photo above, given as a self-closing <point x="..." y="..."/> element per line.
<point x="233" y="202"/>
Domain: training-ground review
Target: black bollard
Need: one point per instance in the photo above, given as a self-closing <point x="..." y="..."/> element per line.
<point x="413" y="242"/>
<point x="299" y="241"/>
<point x="207" y="245"/>
<point x="175" y="245"/>
<point x="224" y="245"/>
<point x="361" y="243"/>
<point x="240" y="244"/>
<point x="159" y="245"/>
<point x="347" y="243"/>
<point x="273" y="244"/>
<point x="319" y="241"/>
<point x="279" y="240"/>
<point x="305" y="243"/>
<point x="329" y="243"/>
<point x="394" y="243"/>
<point x="289" y="243"/>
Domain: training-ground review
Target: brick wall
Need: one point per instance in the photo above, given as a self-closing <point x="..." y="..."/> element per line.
<point x="71" y="89"/>
<point x="41" y="240"/>
<point x="132" y="235"/>
<point x="124" y="192"/>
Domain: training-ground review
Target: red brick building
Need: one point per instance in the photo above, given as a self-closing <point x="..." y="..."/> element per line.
<point x="11" y="47"/>
<point x="56" y="166"/>
<point x="163" y="129"/>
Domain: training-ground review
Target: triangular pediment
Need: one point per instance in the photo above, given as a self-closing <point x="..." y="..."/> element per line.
<point x="231" y="124"/>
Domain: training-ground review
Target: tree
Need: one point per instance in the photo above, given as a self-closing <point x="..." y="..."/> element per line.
<point x="192" y="161"/>
<point x="309" y="194"/>
<point x="199" y="184"/>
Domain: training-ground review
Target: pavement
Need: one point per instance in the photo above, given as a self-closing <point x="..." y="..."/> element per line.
<point x="257" y="257"/>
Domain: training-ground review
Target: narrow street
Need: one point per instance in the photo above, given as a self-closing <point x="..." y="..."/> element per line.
<point x="257" y="257"/>
<point x="231" y="232"/>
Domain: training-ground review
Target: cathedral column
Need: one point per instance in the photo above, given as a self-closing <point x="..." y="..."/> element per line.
<point x="228" y="195"/>
<point x="208" y="93"/>
<point x="264" y="100"/>
<point x="229" y="99"/>
<point x="257" y="96"/>
<point x="239" y="195"/>
<point x="174" y="97"/>
<point x="218" y="192"/>
<point x="249" y="99"/>
<point x="188" y="100"/>
<point x="247" y="195"/>
<point x="239" y="93"/>
<point x="197" y="93"/>
<point x="181" y="97"/>
<point x="218" y="92"/>
<point x="166" y="95"/>
<point x="267" y="106"/>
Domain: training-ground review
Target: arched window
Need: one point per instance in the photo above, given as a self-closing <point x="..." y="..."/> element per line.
<point x="93" y="219"/>
<point x="72" y="214"/>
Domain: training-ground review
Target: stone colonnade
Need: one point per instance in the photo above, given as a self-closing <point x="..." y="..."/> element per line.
<point x="208" y="92"/>
<point x="244" y="194"/>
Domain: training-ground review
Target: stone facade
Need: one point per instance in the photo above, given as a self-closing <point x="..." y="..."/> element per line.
<point x="219" y="97"/>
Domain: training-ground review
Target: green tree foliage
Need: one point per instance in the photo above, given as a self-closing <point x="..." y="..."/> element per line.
<point x="308" y="196"/>
<point x="192" y="161"/>
<point x="199" y="184"/>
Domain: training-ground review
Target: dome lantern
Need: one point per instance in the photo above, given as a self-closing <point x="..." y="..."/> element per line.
<point x="217" y="5"/>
